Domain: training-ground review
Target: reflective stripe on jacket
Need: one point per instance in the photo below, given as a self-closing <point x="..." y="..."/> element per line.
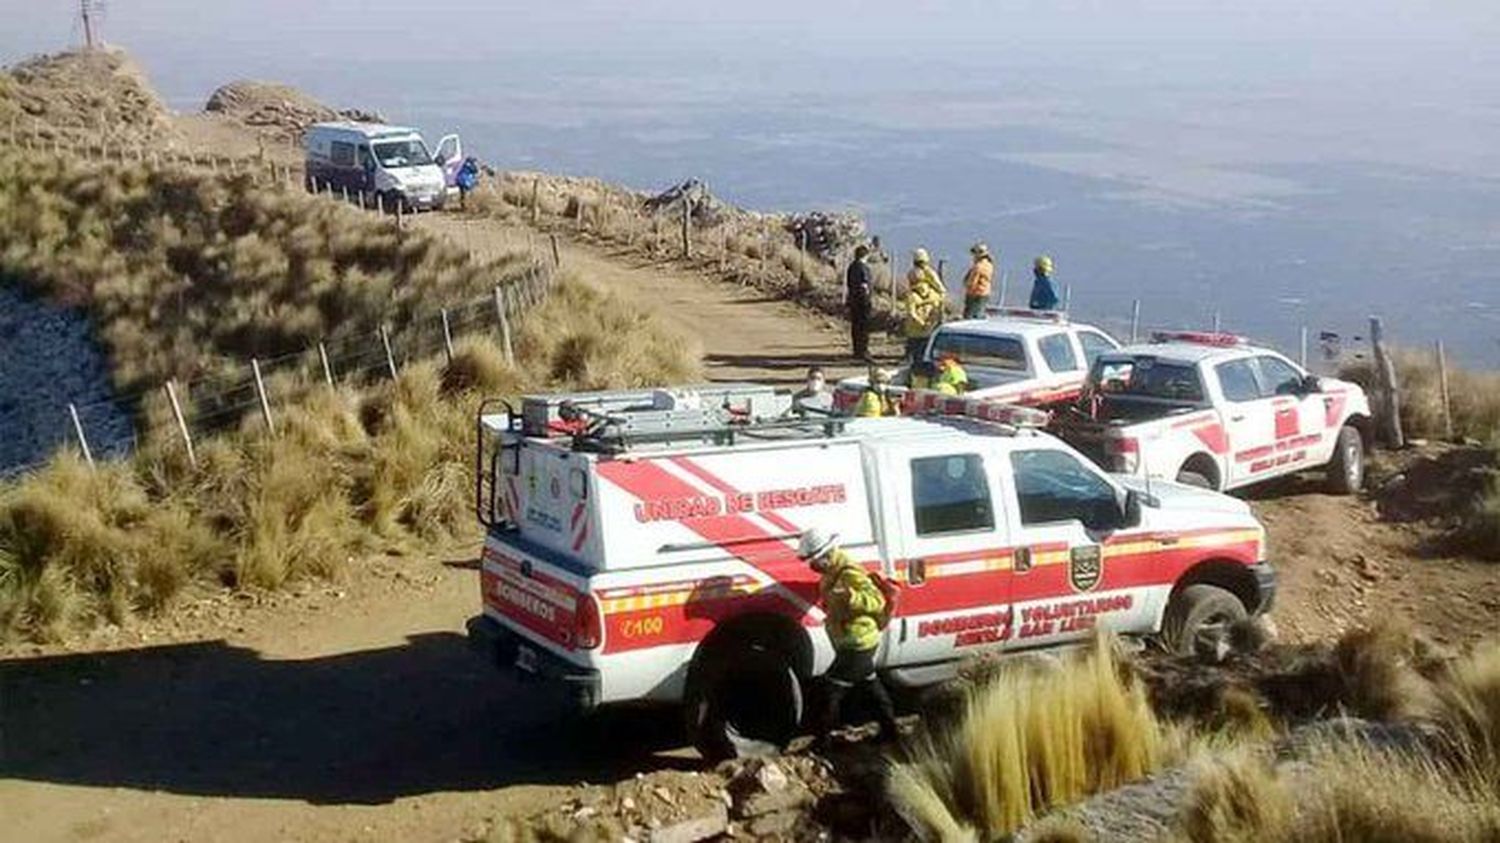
<point x="874" y="405"/>
<point x="977" y="282"/>
<point x="852" y="602"/>
<point x="924" y="302"/>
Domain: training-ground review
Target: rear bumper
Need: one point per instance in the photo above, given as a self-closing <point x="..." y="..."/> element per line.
<point x="1265" y="587"/>
<point x="580" y="687"/>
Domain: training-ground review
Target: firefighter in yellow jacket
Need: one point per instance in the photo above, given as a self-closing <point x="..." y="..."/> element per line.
<point x="876" y="400"/>
<point x="925" y="299"/>
<point x="951" y="378"/>
<point x="855" y="608"/>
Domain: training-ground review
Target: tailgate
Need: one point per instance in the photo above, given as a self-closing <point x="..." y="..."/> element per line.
<point x="529" y="594"/>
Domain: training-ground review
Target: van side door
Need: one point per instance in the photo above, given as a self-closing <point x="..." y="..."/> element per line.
<point x="947" y="532"/>
<point x="1064" y="515"/>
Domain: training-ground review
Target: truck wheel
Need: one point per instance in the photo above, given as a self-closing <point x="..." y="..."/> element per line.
<point x="743" y="702"/>
<point x="1199" y="620"/>
<point x="1346" y="471"/>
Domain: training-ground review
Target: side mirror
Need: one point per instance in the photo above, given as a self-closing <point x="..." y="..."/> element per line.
<point x="1311" y="384"/>
<point x="1131" y="516"/>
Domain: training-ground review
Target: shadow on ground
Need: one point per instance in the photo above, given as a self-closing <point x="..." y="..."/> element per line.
<point x="366" y="727"/>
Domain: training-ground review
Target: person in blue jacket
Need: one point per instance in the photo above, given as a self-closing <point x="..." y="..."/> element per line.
<point x="1043" y="293"/>
<point x="466" y="180"/>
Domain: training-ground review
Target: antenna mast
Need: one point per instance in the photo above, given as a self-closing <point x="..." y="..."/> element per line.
<point x="89" y="10"/>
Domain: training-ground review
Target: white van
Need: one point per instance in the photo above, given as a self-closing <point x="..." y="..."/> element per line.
<point x="391" y="162"/>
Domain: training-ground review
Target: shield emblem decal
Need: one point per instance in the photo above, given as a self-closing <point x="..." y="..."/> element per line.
<point x="1085" y="567"/>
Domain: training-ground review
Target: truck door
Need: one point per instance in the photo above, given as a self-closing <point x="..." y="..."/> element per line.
<point x="949" y="543"/>
<point x="450" y="157"/>
<point x="1299" y="417"/>
<point x="1249" y="423"/>
<point x="1063" y="517"/>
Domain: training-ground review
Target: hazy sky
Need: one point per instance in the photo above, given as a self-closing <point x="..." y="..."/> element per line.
<point x="346" y="26"/>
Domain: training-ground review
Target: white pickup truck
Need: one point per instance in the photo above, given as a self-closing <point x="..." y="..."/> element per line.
<point x="1211" y="410"/>
<point x="1026" y="357"/>
<point x="641" y="548"/>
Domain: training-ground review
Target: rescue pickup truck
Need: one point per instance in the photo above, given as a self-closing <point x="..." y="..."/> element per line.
<point x="641" y="547"/>
<point x="1211" y="410"/>
<point x="1029" y="357"/>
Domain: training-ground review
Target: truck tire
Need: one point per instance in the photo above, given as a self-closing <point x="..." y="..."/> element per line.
<point x="743" y="701"/>
<point x="1346" y="471"/>
<point x="1199" y="619"/>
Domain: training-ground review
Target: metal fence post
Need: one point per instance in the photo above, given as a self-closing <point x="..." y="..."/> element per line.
<point x="505" y="346"/>
<point x="385" y="342"/>
<point x="1135" y="321"/>
<point x="187" y="438"/>
<point x="260" y="390"/>
<point x="83" y="442"/>
<point x="1302" y="347"/>
<point x="447" y="336"/>
<point x="327" y="369"/>
<point x="1442" y="364"/>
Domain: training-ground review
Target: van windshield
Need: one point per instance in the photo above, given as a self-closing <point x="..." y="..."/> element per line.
<point x="406" y="153"/>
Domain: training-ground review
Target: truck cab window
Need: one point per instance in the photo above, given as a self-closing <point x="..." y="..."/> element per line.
<point x="1279" y="376"/>
<point x="1237" y="380"/>
<point x="1094" y="344"/>
<point x="985" y="350"/>
<point x="951" y="495"/>
<point x="1053" y="486"/>
<point x="1058" y="353"/>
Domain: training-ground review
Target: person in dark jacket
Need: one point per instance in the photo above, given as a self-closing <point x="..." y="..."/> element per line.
<point x="860" y="281"/>
<point x="466" y="180"/>
<point x="1043" y="293"/>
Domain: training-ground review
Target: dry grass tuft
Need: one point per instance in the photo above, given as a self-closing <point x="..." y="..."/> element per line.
<point x="1030" y="741"/>
<point x="1475" y="395"/>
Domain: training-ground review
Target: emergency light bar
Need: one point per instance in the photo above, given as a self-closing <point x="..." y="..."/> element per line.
<point x="1057" y="317"/>
<point x="1215" y="339"/>
<point x="931" y="402"/>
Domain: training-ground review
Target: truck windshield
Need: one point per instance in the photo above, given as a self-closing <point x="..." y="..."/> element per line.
<point x="989" y="350"/>
<point x="406" y="153"/>
<point x="1146" y="377"/>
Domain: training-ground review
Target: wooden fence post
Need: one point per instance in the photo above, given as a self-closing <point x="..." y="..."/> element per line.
<point x="260" y="390"/>
<point x="447" y="336"/>
<point x="327" y="369"/>
<point x="1385" y="376"/>
<point x="385" y="342"/>
<point x="536" y="200"/>
<point x="687" y="227"/>
<point x="83" y="441"/>
<point x="1135" y="321"/>
<point x="182" y="428"/>
<point x="505" y="346"/>
<point x="1442" y="363"/>
<point x="723" y="246"/>
<point x="556" y="252"/>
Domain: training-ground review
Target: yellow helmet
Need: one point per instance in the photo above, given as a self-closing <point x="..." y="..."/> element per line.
<point x="1044" y="265"/>
<point x="920" y="257"/>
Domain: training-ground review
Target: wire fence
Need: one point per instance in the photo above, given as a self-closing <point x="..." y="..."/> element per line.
<point x="253" y="391"/>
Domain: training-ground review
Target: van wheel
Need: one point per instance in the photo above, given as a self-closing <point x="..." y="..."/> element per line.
<point x="742" y="702"/>
<point x="1346" y="471"/>
<point x="1199" y="620"/>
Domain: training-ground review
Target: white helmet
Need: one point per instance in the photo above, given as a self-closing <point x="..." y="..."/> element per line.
<point x="815" y="542"/>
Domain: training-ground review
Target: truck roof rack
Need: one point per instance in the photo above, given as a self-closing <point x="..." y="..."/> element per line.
<point x="1217" y="339"/>
<point x="617" y="421"/>
<point x="1057" y="317"/>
